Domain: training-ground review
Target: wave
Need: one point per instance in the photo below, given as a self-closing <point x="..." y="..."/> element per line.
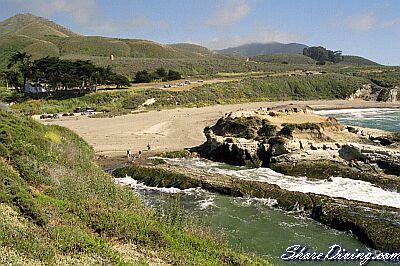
<point x="338" y="186"/>
<point x="129" y="181"/>
<point x="358" y="112"/>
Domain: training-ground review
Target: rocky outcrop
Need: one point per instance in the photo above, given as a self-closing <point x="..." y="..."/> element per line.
<point x="295" y="141"/>
<point x="370" y="92"/>
<point x="376" y="226"/>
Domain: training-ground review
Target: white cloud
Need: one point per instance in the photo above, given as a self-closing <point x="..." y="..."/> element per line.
<point x="230" y="13"/>
<point x="362" y="22"/>
<point x="259" y="34"/>
<point x="367" y="21"/>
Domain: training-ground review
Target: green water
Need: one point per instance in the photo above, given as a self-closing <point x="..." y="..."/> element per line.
<point x="254" y="226"/>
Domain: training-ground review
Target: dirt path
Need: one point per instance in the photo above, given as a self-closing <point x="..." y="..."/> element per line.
<point x="172" y="129"/>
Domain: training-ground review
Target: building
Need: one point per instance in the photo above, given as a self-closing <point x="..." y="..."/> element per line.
<point x="35" y="88"/>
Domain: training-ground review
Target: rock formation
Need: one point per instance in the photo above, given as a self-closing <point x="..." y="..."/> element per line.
<point x="295" y="141"/>
<point x="369" y="92"/>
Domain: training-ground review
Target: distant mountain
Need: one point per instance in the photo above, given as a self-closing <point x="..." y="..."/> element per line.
<point x="253" y="49"/>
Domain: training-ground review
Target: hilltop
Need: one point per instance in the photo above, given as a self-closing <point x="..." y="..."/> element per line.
<point x="33" y="26"/>
<point x="253" y="49"/>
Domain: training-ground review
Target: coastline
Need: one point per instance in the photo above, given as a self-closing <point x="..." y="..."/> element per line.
<point x="174" y="129"/>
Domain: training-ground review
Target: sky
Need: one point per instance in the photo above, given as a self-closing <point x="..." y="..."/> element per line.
<point x="369" y="28"/>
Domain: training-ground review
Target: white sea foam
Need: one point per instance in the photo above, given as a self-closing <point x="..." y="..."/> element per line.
<point x="129" y="181"/>
<point x="369" y="113"/>
<point x="338" y="187"/>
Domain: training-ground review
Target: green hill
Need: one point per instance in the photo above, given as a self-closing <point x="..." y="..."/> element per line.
<point x="283" y="58"/>
<point x="59" y="208"/>
<point x="190" y="49"/>
<point x="358" y="61"/>
<point x="41" y="37"/>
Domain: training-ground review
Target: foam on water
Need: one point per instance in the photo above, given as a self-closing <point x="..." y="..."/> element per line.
<point x="358" y="112"/>
<point x="129" y="181"/>
<point x="338" y="187"/>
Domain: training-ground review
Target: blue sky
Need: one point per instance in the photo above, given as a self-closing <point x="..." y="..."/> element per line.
<point x="369" y="28"/>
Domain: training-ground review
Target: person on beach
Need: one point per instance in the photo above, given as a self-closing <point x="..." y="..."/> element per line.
<point x="128" y="153"/>
<point x="140" y="154"/>
<point x="148" y="146"/>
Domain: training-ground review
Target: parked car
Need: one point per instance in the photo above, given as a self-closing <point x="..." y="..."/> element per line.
<point x="88" y="111"/>
<point x="46" y="116"/>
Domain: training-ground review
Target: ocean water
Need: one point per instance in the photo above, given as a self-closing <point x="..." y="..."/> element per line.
<point x="249" y="224"/>
<point x="384" y="119"/>
<point x="255" y="225"/>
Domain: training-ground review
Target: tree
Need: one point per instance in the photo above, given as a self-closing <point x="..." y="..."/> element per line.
<point x="321" y="55"/>
<point x="161" y="73"/>
<point x="11" y="78"/>
<point x="174" y="75"/>
<point x="120" y="81"/>
<point x="23" y="63"/>
<point x="142" y="77"/>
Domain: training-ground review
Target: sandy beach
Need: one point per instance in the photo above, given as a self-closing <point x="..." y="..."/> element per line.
<point x="173" y="129"/>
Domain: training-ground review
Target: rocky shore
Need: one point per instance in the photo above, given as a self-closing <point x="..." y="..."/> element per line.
<point x="293" y="140"/>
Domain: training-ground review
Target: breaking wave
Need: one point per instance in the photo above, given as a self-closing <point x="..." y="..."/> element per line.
<point x="337" y="187"/>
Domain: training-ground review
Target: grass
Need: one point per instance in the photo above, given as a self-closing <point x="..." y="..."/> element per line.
<point x="326" y="86"/>
<point x="284" y="59"/>
<point x="58" y="207"/>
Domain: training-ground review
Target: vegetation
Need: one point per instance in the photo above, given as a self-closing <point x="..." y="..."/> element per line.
<point x="58" y="207"/>
<point x="160" y="74"/>
<point x="175" y="154"/>
<point x="297" y="59"/>
<point x="325" y="86"/>
<point x="357" y="61"/>
<point x="57" y="74"/>
<point x="387" y="78"/>
<point x="322" y="55"/>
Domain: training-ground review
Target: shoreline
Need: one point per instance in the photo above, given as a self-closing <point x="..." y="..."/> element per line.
<point x="175" y="129"/>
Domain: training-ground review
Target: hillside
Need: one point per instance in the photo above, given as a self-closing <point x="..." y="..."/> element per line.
<point x="23" y="30"/>
<point x="190" y="48"/>
<point x="283" y="59"/>
<point x="358" y="61"/>
<point x="59" y="208"/>
<point x="253" y="49"/>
